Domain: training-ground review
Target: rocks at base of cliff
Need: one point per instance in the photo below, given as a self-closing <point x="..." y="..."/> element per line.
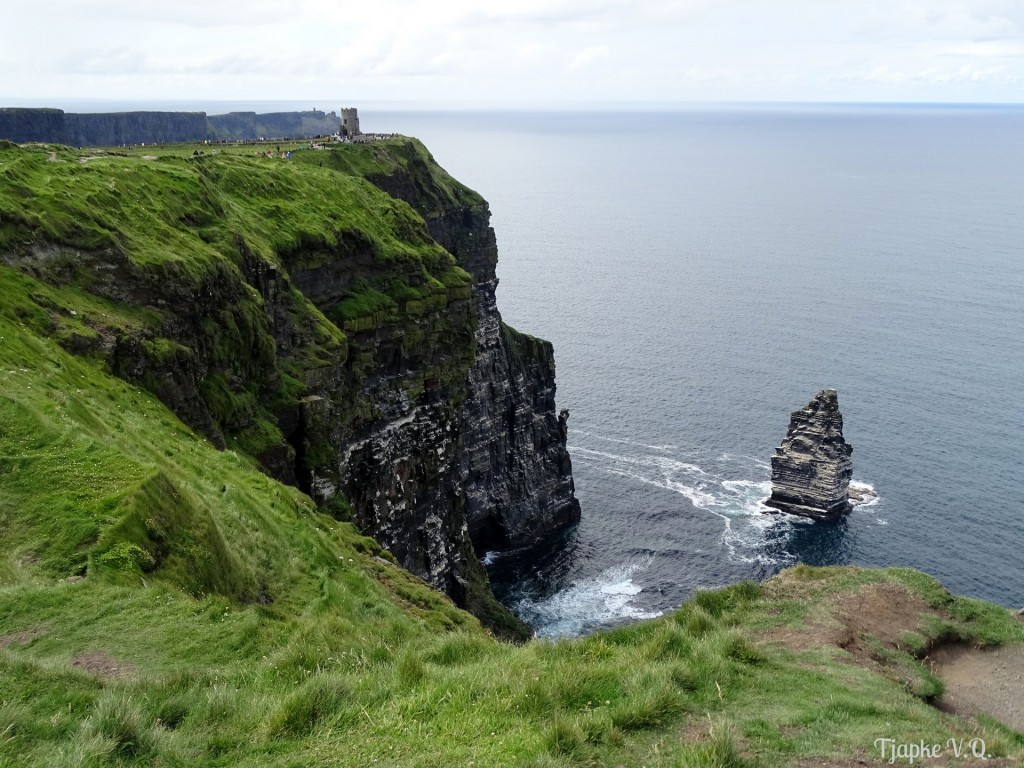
<point x="811" y="470"/>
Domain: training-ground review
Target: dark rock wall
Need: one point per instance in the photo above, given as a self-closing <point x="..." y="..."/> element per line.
<point x="116" y="128"/>
<point x="516" y="469"/>
<point x="20" y="125"/>
<point x="249" y="125"/>
<point x="101" y="129"/>
<point x="111" y="129"/>
<point x="514" y="464"/>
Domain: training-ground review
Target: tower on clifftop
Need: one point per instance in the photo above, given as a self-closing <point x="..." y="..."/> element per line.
<point x="349" y="121"/>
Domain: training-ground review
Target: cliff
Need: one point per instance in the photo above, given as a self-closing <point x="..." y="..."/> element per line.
<point x="811" y="469"/>
<point x="111" y="129"/>
<point x="100" y="129"/>
<point x="345" y="337"/>
<point x="514" y="464"/>
<point x="236" y="126"/>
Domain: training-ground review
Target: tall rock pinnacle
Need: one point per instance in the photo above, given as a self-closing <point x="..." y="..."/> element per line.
<point x="811" y="470"/>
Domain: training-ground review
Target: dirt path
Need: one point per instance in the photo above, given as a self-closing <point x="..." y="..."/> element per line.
<point x="983" y="681"/>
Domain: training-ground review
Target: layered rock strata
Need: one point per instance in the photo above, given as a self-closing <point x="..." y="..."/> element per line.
<point x="514" y="464"/>
<point x="811" y="470"/>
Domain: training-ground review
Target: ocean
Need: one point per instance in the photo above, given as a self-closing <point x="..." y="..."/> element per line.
<point x="704" y="272"/>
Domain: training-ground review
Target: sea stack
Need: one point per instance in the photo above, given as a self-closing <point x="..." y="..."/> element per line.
<point x="811" y="470"/>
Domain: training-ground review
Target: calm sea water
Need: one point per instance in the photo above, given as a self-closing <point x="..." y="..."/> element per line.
<point x="702" y="273"/>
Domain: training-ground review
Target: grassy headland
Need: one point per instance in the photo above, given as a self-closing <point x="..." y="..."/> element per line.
<point x="166" y="603"/>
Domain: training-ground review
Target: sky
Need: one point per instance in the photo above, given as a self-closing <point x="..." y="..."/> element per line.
<point x="557" y="52"/>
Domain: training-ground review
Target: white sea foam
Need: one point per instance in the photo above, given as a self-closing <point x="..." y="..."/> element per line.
<point x="606" y="599"/>
<point x="869" y="496"/>
<point x="627" y="441"/>
<point x="738" y="502"/>
<point x="490" y="557"/>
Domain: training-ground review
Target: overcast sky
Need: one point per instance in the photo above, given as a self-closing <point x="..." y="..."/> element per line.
<point x="558" y="51"/>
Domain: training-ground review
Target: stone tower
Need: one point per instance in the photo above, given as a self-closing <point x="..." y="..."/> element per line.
<point x="349" y="121"/>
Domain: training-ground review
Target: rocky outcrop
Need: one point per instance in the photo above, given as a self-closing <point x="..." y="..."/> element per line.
<point x="811" y="470"/>
<point x="20" y="124"/>
<point x="116" y="128"/>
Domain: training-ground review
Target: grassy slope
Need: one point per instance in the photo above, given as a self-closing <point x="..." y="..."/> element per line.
<point x="163" y="603"/>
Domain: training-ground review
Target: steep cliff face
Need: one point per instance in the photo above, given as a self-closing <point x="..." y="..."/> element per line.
<point x="334" y="318"/>
<point x="20" y="124"/>
<point x="109" y="129"/>
<point x="100" y="129"/>
<point x="514" y="463"/>
<point x="250" y="125"/>
<point x="116" y="128"/>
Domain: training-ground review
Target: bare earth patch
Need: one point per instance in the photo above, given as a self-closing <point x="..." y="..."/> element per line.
<point x="102" y="664"/>
<point x="881" y="611"/>
<point x="989" y="681"/>
<point x="22" y="638"/>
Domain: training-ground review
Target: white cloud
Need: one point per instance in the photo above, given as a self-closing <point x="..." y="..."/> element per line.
<point x="553" y="50"/>
<point x="588" y="56"/>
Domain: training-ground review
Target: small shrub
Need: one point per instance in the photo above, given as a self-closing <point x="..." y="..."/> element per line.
<point x="119" y="719"/>
<point x="648" y="709"/>
<point x="411" y="670"/>
<point x="563" y="737"/>
<point x="719" y="751"/>
<point x="317" y="701"/>
<point x="697" y="621"/>
<point x="459" y="649"/>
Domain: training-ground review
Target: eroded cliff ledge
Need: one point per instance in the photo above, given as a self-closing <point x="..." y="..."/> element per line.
<point x="811" y="470"/>
<point x="331" y="315"/>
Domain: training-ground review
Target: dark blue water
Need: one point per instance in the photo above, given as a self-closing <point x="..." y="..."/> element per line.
<point x="702" y="274"/>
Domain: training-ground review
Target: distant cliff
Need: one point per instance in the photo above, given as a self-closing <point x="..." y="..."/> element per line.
<point x="109" y="129"/>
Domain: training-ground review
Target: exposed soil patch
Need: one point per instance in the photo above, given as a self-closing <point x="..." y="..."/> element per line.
<point x="989" y="681"/>
<point x="22" y="638"/>
<point x="102" y="664"/>
<point x="884" y="612"/>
